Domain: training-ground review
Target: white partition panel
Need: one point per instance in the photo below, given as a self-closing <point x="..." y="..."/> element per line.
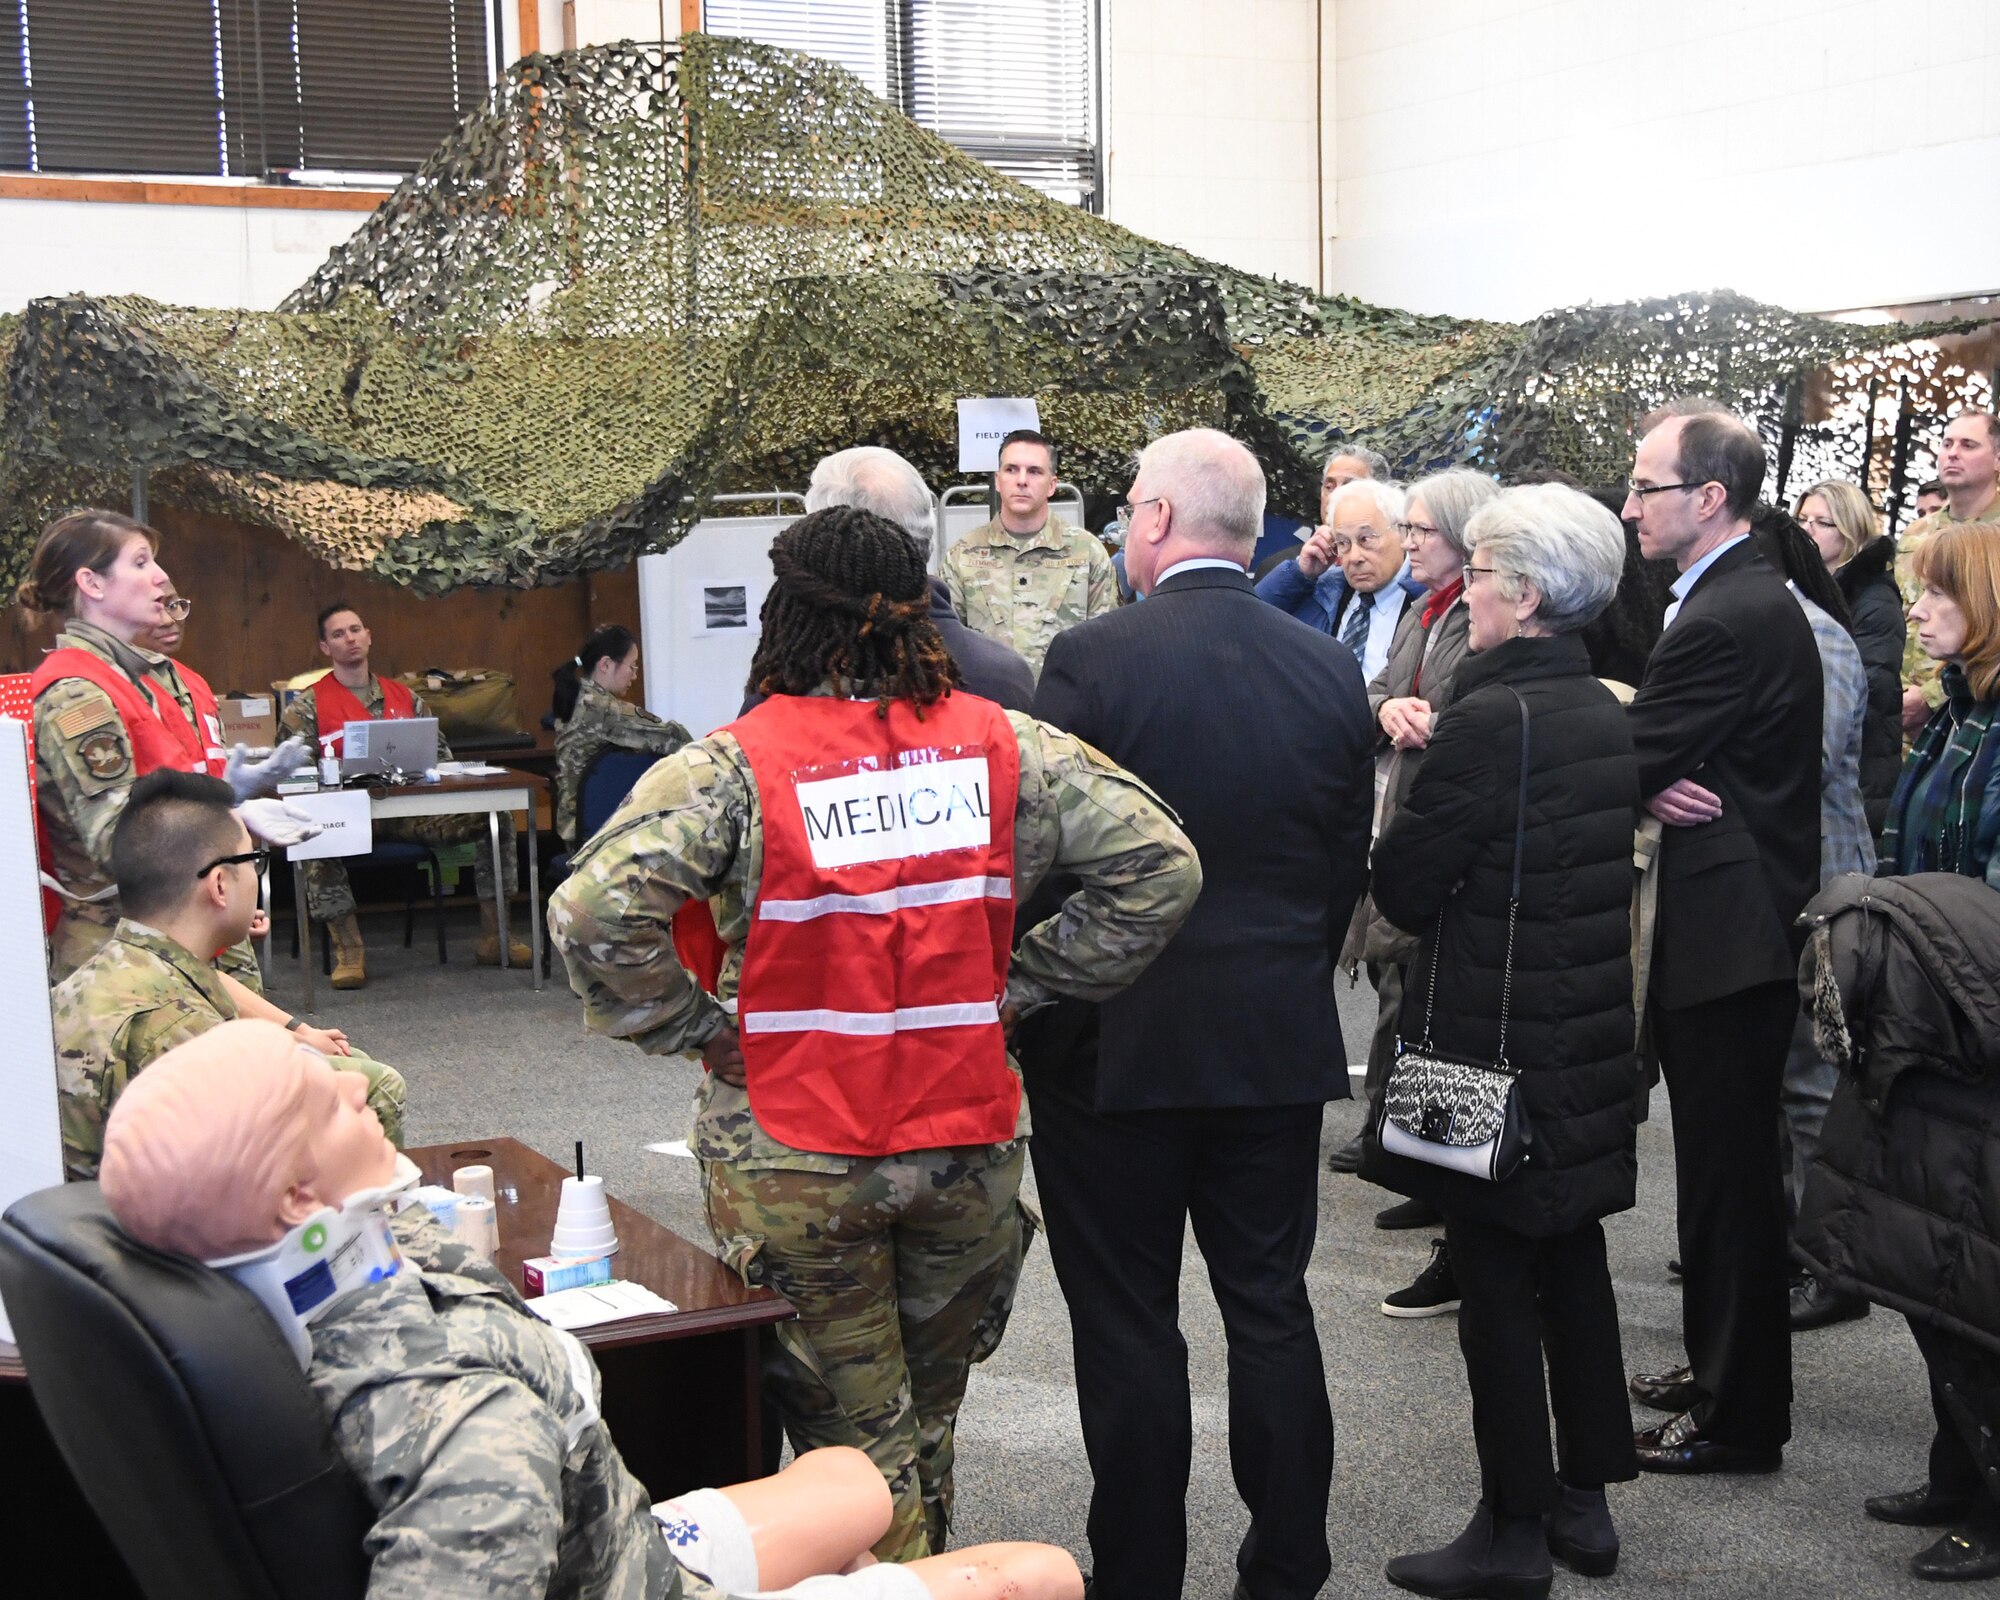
<point x="698" y="608"/>
<point x="30" y="1135"/>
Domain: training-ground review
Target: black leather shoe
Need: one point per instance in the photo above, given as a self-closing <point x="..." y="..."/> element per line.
<point x="1673" y="1390"/>
<point x="1820" y="1305"/>
<point x="1409" y="1214"/>
<point x="1499" y="1558"/>
<point x="1679" y="1445"/>
<point x="1581" y="1533"/>
<point x="1971" y="1551"/>
<point x="1921" y="1507"/>
<point x="1674" y="1267"/>
<point x="1347" y="1158"/>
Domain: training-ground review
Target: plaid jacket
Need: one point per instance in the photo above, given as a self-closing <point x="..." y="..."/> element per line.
<point x="1945" y="815"/>
<point x="1845" y="844"/>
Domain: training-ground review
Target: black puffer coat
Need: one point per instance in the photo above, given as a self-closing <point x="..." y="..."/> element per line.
<point x="1451" y="846"/>
<point x="1902" y="1203"/>
<point x="1875" y="607"/>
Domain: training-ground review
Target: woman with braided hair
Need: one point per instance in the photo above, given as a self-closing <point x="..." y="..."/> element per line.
<point x="862" y="837"/>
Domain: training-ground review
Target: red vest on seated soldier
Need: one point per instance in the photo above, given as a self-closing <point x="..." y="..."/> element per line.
<point x="160" y="735"/>
<point x="336" y="706"/>
<point x="868" y="1002"/>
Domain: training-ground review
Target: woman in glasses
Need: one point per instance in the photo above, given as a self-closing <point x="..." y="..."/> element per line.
<point x="1841" y="524"/>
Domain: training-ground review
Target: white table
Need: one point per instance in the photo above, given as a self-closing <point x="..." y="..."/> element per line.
<point x="452" y="797"/>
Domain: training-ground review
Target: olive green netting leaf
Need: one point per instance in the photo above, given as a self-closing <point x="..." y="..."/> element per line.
<point x="645" y="274"/>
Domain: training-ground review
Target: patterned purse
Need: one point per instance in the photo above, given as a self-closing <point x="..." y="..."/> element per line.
<point x="1463" y="1115"/>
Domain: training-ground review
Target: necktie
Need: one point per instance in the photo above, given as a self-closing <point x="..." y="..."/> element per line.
<point x="1354" y="626"/>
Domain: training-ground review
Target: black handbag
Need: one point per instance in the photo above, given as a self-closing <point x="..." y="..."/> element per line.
<point x="1463" y="1115"/>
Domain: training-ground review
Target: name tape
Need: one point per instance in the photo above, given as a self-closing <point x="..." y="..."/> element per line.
<point x="898" y="812"/>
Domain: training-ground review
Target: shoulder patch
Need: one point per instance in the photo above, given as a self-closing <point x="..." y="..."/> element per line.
<point x="93" y="712"/>
<point x="104" y="755"/>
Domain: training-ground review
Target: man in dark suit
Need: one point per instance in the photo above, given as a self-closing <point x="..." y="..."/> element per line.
<point x="1726" y="724"/>
<point x="1196" y="1095"/>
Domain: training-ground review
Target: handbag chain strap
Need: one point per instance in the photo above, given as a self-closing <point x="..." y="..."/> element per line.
<point x="1513" y="907"/>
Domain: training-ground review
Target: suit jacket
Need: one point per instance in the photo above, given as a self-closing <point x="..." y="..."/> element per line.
<point x="1255" y="729"/>
<point x="1732" y="699"/>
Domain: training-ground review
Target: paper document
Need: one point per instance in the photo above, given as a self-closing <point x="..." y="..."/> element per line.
<point x="672" y="1147"/>
<point x="600" y="1303"/>
<point x="467" y="769"/>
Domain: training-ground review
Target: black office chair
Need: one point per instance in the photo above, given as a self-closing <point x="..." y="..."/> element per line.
<point x="610" y="777"/>
<point x="181" y="1412"/>
<point x="413" y="857"/>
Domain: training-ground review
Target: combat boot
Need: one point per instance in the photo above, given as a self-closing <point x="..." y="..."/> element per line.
<point x="350" y="956"/>
<point x="487" y="952"/>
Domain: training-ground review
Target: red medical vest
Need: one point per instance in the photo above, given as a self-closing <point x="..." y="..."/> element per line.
<point x="160" y="734"/>
<point x="868" y="1001"/>
<point x="337" y="706"/>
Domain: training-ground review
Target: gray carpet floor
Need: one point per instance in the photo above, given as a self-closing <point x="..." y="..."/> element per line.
<point x="486" y="1055"/>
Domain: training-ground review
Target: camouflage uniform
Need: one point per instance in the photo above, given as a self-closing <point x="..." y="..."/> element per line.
<point x="600" y="722"/>
<point x="129" y="1004"/>
<point x="329" y="895"/>
<point x="1919" y="670"/>
<point x="1024" y="589"/>
<point x="473" y="1429"/>
<point x="83" y="776"/>
<point x="902" y="1269"/>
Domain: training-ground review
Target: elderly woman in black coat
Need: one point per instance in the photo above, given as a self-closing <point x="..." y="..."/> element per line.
<point x="1529" y="1249"/>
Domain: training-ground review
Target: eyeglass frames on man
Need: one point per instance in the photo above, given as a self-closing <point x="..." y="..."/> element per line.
<point x="1632" y="486"/>
<point x="1126" y="508"/>
<point x="1367" y="540"/>
<point x="260" y="859"/>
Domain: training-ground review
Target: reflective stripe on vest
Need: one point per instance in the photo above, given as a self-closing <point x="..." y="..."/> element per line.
<point x="872" y="972"/>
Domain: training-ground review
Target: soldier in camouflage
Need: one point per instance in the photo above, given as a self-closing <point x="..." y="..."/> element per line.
<point x="187" y="876"/>
<point x="1969" y="469"/>
<point x="902" y="1265"/>
<point x="472" y="1427"/>
<point x="591" y="717"/>
<point x="344" y="640"/>
<point x="1027" y="575"/>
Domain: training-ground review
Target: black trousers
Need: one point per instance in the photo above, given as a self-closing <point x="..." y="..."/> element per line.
<point x="1117" y="1190"/>
<point x="1521" y="1298"/>
<point x="1965" y="1399"/>
<point x="1724" y="1062"/>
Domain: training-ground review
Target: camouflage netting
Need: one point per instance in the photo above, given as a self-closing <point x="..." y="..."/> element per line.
<point x="647" y="274"/>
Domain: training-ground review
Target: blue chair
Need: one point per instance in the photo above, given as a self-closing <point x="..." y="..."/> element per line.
<point x="394" y="853"/>
<point x="610" y="777"/>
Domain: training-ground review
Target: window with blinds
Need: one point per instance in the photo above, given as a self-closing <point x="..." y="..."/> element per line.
<point x="238" y="88"/>
<point x="1013" y="82"/>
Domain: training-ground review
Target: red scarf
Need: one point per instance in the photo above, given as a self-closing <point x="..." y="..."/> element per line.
<point x="1441" y="599"/>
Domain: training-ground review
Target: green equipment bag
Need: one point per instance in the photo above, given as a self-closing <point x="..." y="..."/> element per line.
<point x="470" y="703"/>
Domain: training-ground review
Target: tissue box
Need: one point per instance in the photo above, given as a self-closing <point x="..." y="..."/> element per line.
<point x="551" y="1274"/>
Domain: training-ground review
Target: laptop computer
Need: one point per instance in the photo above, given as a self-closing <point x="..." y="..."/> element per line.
<point x="408" y="745"/>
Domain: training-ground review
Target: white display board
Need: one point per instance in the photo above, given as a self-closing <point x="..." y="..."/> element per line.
<point x="30" y="1134"/>
<point x="698" y="608"/>
<point x="957" y="518"/>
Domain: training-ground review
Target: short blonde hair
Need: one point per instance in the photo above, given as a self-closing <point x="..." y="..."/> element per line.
<point x="1851" y="513"/>
<point x="1963" y="560"/>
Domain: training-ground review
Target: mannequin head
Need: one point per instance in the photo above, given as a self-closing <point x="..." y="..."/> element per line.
<point x="230" y="1140"/>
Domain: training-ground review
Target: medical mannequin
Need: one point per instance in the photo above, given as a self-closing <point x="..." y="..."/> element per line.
<point x="471" y="1425"/>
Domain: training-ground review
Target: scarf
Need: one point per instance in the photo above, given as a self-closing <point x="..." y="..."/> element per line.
<point x="1440" y="601"/>
<point x="1934" y="822"/>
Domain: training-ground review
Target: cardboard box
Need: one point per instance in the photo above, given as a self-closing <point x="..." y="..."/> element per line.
<point x="249" y="719"/>
<point x="551" y="1274"/>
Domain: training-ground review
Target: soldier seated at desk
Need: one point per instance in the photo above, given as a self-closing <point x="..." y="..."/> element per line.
<point x="352" y="693"/>
<point x="471" y="1425"/>
<point x="186" y="870"/>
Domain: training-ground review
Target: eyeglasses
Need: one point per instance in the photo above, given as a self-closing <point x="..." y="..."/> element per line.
<point x="1472" y="572"/>
<point x="259" y="858"/>
<point x="1644" y="489"/>
<point x="1822" y="524"/>
<point x="177" y="608"/>
<point x="1417" y="530"/>
<point x="1371" y="540"/>
<point x="1126" y="508"/>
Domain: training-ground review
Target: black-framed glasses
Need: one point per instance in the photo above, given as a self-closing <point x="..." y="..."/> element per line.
<point x="177" y="608"/>
<point x="258" y="858"/>
<point x="1644" y="489"/>
<point x="1126" y="508"/>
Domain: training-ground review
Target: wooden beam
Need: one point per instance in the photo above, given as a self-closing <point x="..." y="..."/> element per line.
<point x="690" y="16"/>
<point x="147" y="191"/>
<point x="529" y="16"/>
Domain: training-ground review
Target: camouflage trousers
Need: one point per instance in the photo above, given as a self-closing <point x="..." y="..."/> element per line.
<point x="78" y="937"/>
<point x="330" y="896"/>
<point x="902" y="1270"/>
<point x="387" y="1091"/>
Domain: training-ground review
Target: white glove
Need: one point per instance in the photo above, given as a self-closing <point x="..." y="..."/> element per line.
<point x="277" y="823"/>
<point x="248" y="777"/>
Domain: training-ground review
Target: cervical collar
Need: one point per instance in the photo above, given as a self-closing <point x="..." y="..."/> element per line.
<point x="336" y="1249"/>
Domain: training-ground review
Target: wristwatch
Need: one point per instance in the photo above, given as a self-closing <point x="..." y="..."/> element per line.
<point x="295" y="1024"/>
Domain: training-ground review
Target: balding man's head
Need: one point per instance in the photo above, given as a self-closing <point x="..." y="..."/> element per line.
<point x="1213" y="485"/>
<point x="871" y="478"/>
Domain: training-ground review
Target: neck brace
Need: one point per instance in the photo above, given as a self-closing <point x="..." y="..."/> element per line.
<point x="335" y="1250"/>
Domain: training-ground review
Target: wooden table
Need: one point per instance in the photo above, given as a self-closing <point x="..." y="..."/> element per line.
<point x="451" y="797"/>
<point x="681" y="1392"/>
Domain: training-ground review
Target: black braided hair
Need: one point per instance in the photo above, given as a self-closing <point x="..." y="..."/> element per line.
<point x="851" y="604"/>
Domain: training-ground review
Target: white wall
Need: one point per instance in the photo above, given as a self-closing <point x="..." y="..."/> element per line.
<point x="183" y="255"/>
<point x="1211" y="137"/>
<point x="1504" y="157"/>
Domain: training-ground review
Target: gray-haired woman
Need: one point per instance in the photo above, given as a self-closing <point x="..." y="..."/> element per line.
<point x="1541" y="978"/>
